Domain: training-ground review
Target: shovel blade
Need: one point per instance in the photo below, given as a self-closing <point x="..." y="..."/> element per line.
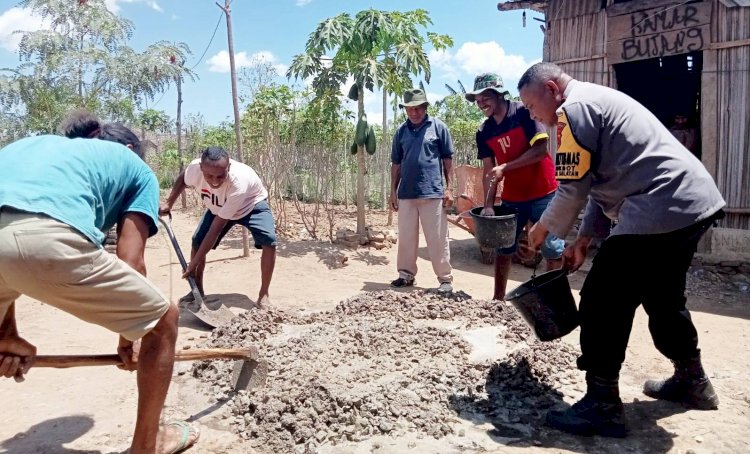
<point x="212" y="314"/>
<point x="248" y="375"/>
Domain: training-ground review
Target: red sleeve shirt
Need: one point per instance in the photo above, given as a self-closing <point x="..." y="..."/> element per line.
<point x="507" y="141"/>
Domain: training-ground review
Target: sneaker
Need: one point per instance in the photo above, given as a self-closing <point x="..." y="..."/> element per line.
<point x="401" y="282"/>
<point x="445" y="287"/>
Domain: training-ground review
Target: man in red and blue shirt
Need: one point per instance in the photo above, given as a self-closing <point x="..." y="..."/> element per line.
<point x="513" y="149"/>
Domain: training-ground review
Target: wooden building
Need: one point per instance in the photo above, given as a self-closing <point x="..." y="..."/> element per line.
<point x="677" y="58"/>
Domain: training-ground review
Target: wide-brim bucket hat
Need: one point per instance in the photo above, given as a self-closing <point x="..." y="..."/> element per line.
<point x="487" y="81"/>
<point x="414" y="97"/>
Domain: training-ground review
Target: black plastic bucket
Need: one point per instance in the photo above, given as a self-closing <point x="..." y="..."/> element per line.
<point x="547" y="304"/>
<point x="495" y="231"/>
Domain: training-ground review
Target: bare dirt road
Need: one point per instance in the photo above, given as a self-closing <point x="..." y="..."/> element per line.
<point x="384" y="372"/>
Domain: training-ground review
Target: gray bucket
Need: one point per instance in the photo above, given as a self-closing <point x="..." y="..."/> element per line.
<point x="547" y="304"/>
<point x="495" y="231"/>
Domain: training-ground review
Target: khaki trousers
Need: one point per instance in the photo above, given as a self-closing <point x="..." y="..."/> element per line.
<point x="431" y="214"/>
<point x="51" y="262"/>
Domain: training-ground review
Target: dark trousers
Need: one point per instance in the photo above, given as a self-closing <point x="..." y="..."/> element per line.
<point x="630" y="270"/>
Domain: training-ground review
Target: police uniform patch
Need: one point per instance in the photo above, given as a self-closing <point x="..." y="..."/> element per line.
<point x="572" y="161"/>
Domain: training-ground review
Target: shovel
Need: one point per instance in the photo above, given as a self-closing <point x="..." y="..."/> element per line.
<point x="212" y="317"/>
<point x="248" y="373"/>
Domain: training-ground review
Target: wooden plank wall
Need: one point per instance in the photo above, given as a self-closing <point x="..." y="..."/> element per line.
<point x="578" y="45"/>
<point x="576" y="41"/>
<point x="726" y="87"/>
<point x="563" y="9"/>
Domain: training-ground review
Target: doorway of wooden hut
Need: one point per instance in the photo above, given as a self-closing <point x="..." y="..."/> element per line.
<point x="671" y="88"/>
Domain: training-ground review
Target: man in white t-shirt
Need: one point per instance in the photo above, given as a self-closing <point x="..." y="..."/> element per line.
<point x="233" y="194"/>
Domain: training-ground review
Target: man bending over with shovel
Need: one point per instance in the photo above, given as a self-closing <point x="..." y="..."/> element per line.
<point x="58" y="197"/>
<point x="233" y="194"/>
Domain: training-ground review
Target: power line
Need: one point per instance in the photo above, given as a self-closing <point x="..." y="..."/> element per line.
<point x="210" y="41"/>
<point x="202" y="55"/>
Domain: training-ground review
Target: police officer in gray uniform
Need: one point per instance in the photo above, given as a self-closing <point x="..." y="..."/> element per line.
<point x="617" y="159"/>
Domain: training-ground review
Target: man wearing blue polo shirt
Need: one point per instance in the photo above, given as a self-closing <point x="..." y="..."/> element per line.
<point x="422" y="155"/>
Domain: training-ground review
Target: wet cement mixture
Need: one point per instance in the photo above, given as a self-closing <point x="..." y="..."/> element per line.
<point x="390" y="363"/>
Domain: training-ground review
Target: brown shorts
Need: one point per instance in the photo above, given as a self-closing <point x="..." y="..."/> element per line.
<point x="51" y="262"/>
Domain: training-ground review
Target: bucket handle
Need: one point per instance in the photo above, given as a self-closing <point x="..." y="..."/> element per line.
<point x="489" y="191"/>
<point x="533" y="275"/>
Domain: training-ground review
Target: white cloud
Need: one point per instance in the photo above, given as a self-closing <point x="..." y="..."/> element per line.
<point x="475" y="58"/>
<point x="18" y="19"/>
<point x="443" y="60"/>
<point x="265" y="56"/>
<point x="114" y="5"/>
<point x="302" y="2"/>
<point x="155" y="6"/>
<point x="219" y="63"/>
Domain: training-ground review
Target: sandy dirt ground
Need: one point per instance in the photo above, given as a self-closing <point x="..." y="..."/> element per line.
<point x="92" y="410"/>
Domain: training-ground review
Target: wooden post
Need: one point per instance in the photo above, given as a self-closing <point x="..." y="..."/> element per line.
<point x="236" y="105"/>
<point x="178" y="123"/>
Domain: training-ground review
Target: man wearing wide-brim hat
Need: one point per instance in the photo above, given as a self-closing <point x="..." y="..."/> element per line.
<point x="421" y="163"/>
<point x="513" y="149"/>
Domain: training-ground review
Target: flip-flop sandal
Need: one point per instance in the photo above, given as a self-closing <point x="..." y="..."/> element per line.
<point x="185" y="441"/>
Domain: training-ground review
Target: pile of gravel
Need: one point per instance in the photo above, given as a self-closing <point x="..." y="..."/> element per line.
<point x="711" y="282"/>
<point x="385" y="363"/>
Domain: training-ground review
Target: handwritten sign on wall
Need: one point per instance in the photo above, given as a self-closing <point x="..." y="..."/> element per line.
<point x="658" y="32"/>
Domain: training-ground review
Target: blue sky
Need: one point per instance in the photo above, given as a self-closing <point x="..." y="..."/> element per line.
<point x="275" y="30"/>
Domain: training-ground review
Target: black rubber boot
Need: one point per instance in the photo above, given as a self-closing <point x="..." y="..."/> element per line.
<point x="599" y="412"/>
<point x="689" y="386"/>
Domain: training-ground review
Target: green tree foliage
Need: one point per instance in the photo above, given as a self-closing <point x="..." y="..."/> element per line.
<point x="267" y="116"/>
<point x="462" y="118"/>
<point x="167" y="164"/>
<point x="211" y="136"/>
<point x="11" y="128"/>
<point x="153" y="120"/>
<point x="83" y="61"/>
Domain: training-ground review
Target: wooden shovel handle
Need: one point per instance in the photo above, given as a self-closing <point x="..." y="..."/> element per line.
<point x="65" y="361"/>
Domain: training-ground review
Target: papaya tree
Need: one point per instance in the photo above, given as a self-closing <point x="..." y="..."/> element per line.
<point x="375" y="48"/>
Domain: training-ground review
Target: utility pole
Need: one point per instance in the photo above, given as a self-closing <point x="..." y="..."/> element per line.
<point x="178" y="81"/>
<point x="236" y="105"/>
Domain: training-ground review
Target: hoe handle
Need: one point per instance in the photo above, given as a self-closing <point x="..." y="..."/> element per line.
<point x="65" y="361"/>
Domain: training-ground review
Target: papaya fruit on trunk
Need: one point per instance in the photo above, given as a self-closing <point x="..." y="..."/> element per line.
<point x="360" y="136"/>
<point x="353" y="93"/>
<point x="371" y="143"/>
